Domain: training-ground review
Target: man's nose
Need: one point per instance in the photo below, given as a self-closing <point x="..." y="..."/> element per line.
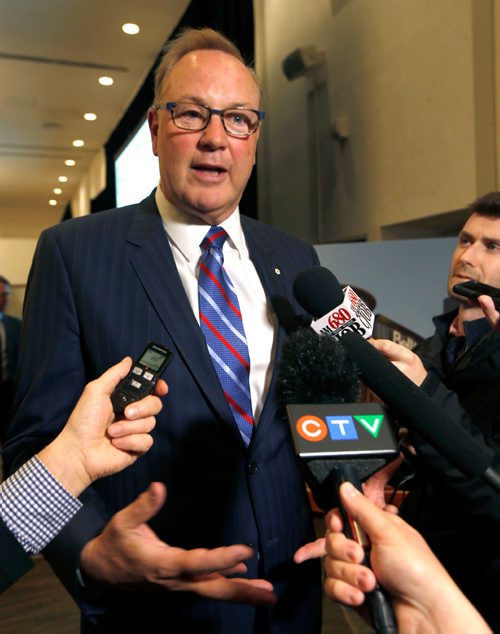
<point x="214" y="135"/>
<point x="470" y="254"/>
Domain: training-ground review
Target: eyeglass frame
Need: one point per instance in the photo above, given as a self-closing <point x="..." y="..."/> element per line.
<point x="170" y="105"/>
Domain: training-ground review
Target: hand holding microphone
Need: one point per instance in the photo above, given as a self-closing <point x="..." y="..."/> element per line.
<point x="424" y="596"/>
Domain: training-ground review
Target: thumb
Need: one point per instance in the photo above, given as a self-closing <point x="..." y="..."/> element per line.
<point x="372" y="519"/>
<point x="110" y="379"/>
<point x="144" y="507"/>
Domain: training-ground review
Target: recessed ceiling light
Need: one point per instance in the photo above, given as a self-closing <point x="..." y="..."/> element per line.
<point x="52" y="202"/>
<point x="106" y="81"/>
<point x="78" y="143"/>
<point x="57" y="190"/>
<point x="62" y="179"/>
<point x="70" y="162"/>
<point x="90" y="116"/>
<point x="130" y="28"/>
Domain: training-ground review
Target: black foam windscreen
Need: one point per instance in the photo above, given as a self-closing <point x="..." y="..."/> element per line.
<point x="318" y="291"/>
<point x="316" y="369"/>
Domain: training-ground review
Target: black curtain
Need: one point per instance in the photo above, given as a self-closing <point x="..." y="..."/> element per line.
<point x="233" y="19"/>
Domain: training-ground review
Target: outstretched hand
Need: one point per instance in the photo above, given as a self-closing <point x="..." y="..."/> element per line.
<point x="129" y="552"/>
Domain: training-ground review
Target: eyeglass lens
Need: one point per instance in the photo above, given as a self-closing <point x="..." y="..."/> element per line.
<point x="195" y="117"/>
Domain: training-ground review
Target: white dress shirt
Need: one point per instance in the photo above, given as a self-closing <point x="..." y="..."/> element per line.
<point x="185" y="233"/>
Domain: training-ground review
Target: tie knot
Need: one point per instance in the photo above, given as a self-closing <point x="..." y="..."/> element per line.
<point x="216" y="236"/>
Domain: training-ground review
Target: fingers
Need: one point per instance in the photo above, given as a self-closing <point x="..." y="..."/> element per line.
<point x="374" y="487"/>
<point x="343" y="592"/>
<point x="347" y="580"/>
<point x="148" y="406"/>
<point x="125" y="427"/>
<point x="161" y="388"/>
<point x="389" y="349"/>
<point x="138" y="444"/>
<point x="334" y="521"/>
<point x="201" y="561"/>
<point x="142" y="508"/>
<point x="250" y="591"/>
<point x="313" y="550"/>
<point x="338" y="546"/>
<point x="492" y="314"/>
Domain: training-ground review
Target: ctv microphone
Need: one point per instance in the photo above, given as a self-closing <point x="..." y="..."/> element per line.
<point x="336" y="439"/>
<point x="319" y="383"/>
<point x="335" y="311"/>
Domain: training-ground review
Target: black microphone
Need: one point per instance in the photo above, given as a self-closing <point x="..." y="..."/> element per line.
<point x="418" y="411"/>
<point x="335" y="311"/>
<point x="336" y="439"/>
<point x="318" y="383"/>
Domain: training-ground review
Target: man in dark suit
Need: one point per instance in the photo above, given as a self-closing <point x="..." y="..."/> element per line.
<point x="10" y="332"/>
<point x="103" y="286"/>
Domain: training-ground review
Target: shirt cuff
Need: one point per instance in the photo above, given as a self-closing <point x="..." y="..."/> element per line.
<point x="35" y="506"/>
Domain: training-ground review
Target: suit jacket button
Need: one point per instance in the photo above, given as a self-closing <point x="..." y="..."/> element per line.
<point x="253" y="467"/>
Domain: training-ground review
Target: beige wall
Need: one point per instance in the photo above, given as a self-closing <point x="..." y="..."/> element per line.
<point x="29" y="225"/>
<point x="414" y="80"/>
<point x="15" y="263"/>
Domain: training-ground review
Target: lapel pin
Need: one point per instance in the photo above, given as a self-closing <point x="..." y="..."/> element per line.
<point x="277" y="271"/>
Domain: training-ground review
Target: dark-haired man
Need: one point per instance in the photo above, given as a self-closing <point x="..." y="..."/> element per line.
<point x="459" y="367"/>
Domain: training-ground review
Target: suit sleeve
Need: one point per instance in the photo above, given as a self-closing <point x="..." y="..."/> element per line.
<point x="14" y="561"/>
<point x="50" y="381"/>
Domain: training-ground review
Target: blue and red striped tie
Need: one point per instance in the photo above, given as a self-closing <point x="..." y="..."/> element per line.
<point x="222" y="326"/>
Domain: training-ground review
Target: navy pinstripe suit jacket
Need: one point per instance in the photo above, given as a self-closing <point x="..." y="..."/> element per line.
<point x="100" y="288"/>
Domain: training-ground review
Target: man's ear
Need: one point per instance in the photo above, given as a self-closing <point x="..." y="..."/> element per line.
<point x="153" y="128"/>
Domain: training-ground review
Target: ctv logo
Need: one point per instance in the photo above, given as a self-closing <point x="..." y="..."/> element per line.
<point x="339" y="428"/>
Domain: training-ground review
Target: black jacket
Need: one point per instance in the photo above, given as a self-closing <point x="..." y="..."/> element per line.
<point x="460" y="516"/>
<point x="14" y="561"/>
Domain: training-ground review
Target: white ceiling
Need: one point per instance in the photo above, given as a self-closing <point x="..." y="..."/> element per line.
<point x="51" y="55"/>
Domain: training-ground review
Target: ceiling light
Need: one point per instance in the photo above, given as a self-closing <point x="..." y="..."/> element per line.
<point x="90" y="116"/>
<point x="130" y="28"/>
<point x="78" y="143"/>
<point x="57" y="190"/>
<point x="106" y="81"/>
<point x="70" y="162"/>
<point x="52" y="202"/>
<point x="62" y="179"/>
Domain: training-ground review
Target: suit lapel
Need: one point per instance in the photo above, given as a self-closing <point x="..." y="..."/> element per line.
<point x="153" y="262"/>
<point x="267" y="264"/>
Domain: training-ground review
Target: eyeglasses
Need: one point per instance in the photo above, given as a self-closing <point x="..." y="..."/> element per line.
<point x="242" y="122"/>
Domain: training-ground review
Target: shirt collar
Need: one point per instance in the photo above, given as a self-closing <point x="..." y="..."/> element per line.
<point x="186" y="232"/>
<point x="474" y="330"/>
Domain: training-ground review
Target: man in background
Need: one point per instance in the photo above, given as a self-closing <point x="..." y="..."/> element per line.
<point x="459" y="368"/>
<point x="10" y="332"/>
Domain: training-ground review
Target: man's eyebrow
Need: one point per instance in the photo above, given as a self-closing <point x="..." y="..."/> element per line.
<point x="495" y="240"/>
<point x="202" y="102"/>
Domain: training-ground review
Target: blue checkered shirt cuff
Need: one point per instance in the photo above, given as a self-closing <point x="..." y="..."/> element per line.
<point x="35" y="506"/>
